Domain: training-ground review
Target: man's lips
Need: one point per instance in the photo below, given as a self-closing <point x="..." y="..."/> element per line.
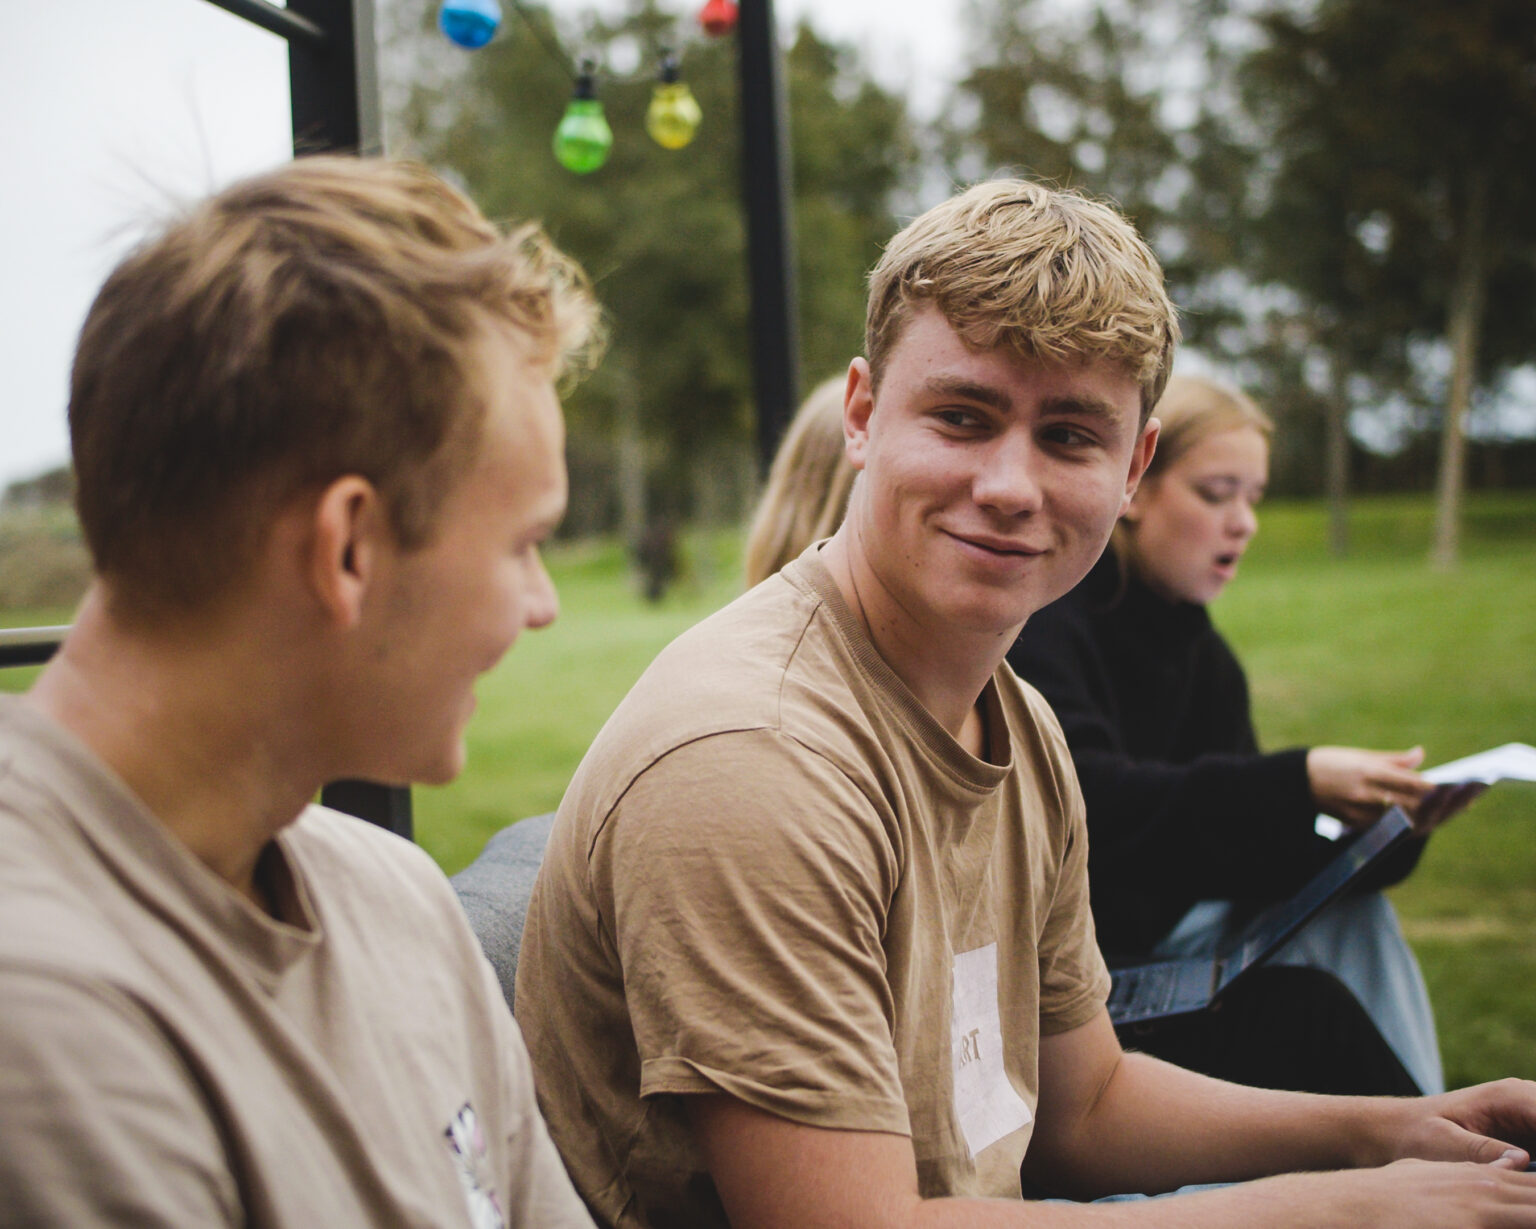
<point x="990" y="545"/>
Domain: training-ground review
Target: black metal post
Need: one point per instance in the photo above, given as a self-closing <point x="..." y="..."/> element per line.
<point x="334" y="85"/>
<point x="769" y="205"/>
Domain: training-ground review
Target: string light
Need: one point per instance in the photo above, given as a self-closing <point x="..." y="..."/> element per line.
<point x="583" y="138"/>
<point x="469" y="23"/>
<point x="719" y="17"/>
<point x="674" y="115"/>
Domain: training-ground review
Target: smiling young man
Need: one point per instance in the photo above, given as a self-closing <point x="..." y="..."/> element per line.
<point x="811" y="943"/>
<point x="317" y="446"/>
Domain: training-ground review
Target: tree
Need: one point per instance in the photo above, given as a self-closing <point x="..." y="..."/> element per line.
<point x="1401" y="198"/>
<point x="1139" y="101"/>
<point x="661" y="232"/>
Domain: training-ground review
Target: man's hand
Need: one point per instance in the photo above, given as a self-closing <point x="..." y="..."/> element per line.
<point x="1357" y="786"/>
<point x="1487" y="1124"/>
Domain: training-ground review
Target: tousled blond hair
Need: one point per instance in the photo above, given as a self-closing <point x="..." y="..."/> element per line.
<point x="1046" y="273"/>
<point x="322" y="319"/>
<point x="807" y="491"/>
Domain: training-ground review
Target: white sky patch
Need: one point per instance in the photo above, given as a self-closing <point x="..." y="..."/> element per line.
<point x="112" y="107"/>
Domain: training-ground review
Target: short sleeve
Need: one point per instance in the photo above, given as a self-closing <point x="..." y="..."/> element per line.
<point x="1074" y="981"/>
<point x="101" y="1123"/>
<point x="748" y="922"/>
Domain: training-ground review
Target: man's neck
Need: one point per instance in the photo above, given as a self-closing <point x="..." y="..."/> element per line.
<point x="190" y="721"/>
<point x="946" y="670"/>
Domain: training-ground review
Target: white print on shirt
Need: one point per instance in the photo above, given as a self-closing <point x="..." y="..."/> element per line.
<point x="466" y="1144"/>
<point x="986" y="1104"/>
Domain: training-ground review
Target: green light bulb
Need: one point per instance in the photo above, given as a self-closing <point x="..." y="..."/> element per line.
<point x="583" y="138"/>
<point x="673" y="116"/>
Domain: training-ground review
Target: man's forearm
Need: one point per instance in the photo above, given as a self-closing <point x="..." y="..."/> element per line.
<point x="1150" y="1126"/>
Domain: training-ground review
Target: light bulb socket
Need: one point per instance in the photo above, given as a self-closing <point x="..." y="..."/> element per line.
<point x="670" y="71"/>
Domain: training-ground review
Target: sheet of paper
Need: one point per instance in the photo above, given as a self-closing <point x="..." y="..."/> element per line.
<point x="1511" y="762"/>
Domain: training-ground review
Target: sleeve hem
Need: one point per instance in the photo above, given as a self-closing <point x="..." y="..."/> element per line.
<point x="809" y="1107"/>
<point x="1076" y="1011"/>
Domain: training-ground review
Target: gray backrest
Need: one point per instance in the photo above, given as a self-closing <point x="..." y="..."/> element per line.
<point x="495" y="887"/>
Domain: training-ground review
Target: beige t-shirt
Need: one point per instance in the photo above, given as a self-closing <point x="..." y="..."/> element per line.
<point x="172" y="1056"/>
<point x="776" y="875"/>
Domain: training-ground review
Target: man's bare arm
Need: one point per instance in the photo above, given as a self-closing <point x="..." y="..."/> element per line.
<point x="1109" y="1121"/>
<point x="1139" y="1124"/>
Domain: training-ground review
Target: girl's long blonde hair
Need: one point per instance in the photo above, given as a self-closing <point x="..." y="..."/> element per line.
<point x="808" y="484"/>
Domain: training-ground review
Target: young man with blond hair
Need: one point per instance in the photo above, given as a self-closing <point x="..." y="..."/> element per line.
<point x="811" y="944"/>
<point x="317" y="446"/>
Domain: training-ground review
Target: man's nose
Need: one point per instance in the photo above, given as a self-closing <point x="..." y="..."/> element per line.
<point x="1008" y="478"/>
<point x="543" y="601"/>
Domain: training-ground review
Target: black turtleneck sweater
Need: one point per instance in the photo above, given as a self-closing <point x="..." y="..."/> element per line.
<point x="1182" y="806"/>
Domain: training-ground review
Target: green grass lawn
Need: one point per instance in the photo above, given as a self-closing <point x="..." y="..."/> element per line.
<point x="1374" y="650"/>
<point x="1378" y="650"/>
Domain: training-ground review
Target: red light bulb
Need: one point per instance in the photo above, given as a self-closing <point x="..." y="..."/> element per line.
<point x="718" y="17"/>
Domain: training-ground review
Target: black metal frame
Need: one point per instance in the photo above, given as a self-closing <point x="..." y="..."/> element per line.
<point x="29" y="646"/>
<point x="767" y="198"/>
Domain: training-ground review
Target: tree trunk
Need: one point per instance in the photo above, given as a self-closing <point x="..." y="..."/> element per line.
<point x="1464" y="325"/>
<point x="1336" y="457"/>
<point x="629" y="460"/>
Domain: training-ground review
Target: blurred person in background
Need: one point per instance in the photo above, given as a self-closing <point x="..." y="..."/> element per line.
<point x="808" y="484"/>
<point x="1191" y="827"/>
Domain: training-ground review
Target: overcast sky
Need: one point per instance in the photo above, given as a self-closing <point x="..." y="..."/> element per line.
<point x="110" y="104"/>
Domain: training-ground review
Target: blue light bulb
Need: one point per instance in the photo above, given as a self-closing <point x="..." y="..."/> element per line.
<point x="469" y="23"/>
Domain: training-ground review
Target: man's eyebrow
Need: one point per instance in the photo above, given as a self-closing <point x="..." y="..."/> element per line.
<point x="967" y="390"/>
<point x="1083" y="407"/>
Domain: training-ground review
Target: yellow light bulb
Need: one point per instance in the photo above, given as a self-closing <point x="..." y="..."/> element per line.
<point x="674" y="115"/>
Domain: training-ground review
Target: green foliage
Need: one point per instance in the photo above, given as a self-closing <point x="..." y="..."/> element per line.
<point x="43" y="562"/>
<point x="661" y="232"/>
<point x="1306" y="171"/>
<point x="1384" y="116"/>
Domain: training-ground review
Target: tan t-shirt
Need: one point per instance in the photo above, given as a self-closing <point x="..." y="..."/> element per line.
<point x="172" y="1056"/>
<point x="776" y="875"/>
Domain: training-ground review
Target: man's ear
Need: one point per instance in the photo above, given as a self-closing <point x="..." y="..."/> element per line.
<point x="1141" y="457"/>
<point x="858" y="405"/>
<point x="349" y="531"/>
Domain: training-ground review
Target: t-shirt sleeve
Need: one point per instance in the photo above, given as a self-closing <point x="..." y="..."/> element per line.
<point x="1074" y="981"/>
<point x="101" y="1123"/>
<point x="748" y="923"/>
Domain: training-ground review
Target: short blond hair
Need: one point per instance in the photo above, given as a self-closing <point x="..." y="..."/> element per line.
<point x="808" y="484"/>
<point x="1046" y="273"/>
<point x="321" y="319"/>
